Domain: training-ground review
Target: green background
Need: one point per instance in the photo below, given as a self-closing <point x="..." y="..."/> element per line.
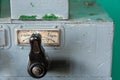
<point x="113" y="8"/>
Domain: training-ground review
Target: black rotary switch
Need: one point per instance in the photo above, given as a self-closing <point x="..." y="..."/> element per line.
<point x="38" y="64"/>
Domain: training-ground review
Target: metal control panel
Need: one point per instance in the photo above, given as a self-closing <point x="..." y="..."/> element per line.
<point x="79" y="48"/>
<point x="84" y="52"/>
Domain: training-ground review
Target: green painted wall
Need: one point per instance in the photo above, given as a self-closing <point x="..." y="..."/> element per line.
<point x="113" y="8"/>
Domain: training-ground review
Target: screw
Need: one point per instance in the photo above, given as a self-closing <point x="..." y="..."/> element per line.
<point x="21" y="26"/>
<point x="56" y="26"/>
<point x="21" y="47"/>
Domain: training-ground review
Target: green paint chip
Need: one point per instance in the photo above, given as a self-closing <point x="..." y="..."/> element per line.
<point x="51" y="17"/>
<point x="25" y="17"/>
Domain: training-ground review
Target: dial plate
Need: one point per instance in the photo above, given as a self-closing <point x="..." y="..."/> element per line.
<point x="49" y="37"/>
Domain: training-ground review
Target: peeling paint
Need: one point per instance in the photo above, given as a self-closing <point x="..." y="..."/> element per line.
<point x="51" y="17"/>
<point x="25" y="17"/>
<point x="32" y="4"/>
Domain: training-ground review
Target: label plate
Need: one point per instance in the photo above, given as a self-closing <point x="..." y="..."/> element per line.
<point x="49" y="37"/>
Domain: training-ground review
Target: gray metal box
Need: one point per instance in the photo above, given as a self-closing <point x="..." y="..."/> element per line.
<point x="84" y="53"/>
<point x="38" y="9"/>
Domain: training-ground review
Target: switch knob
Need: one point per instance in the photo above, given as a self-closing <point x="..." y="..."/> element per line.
<point x="38" y="63"/>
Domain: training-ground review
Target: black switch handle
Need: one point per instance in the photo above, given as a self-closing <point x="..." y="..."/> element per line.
<point x="38" y="64"/>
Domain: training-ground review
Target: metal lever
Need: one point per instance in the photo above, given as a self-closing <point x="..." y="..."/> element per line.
<point x="38" y="64"/>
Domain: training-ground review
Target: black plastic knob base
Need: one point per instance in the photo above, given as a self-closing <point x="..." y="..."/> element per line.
<point x="37" y="70"/>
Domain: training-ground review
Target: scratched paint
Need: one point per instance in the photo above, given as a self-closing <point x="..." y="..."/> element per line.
<point x="32" y="4"/>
